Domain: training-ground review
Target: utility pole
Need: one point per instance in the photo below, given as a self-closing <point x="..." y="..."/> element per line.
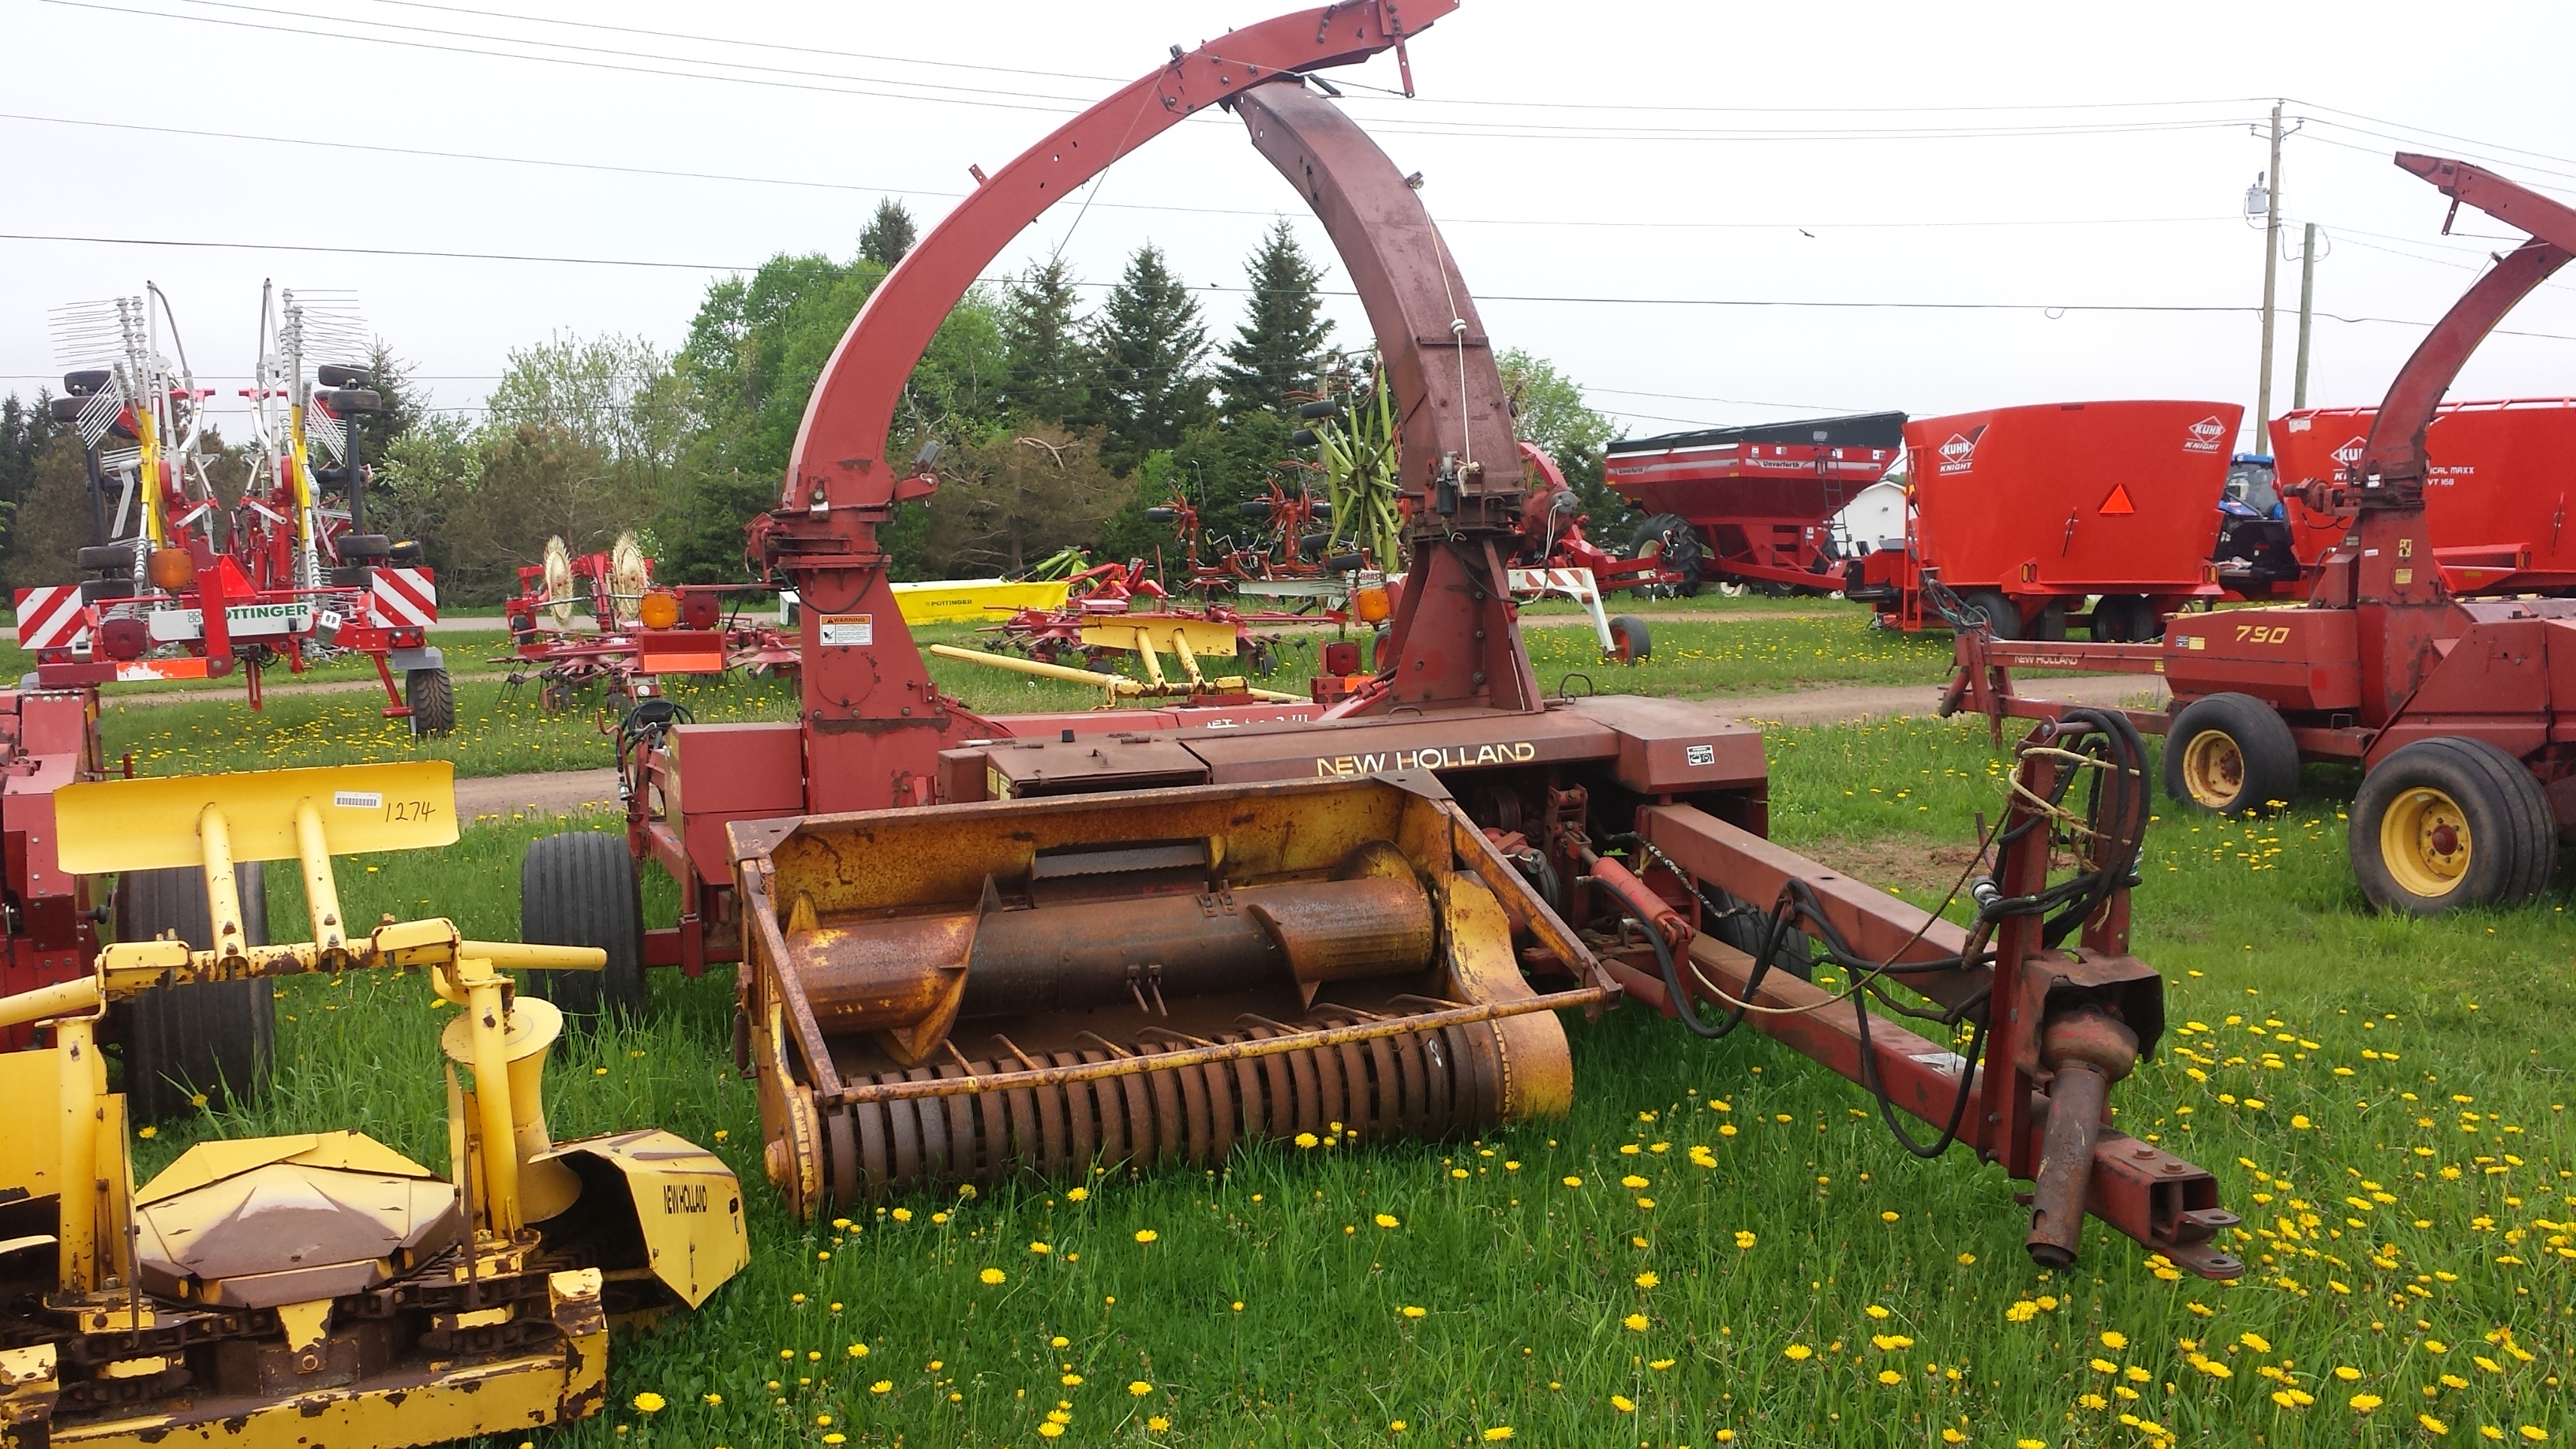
<point x="2271" y="273"/>
<point x="2307" y="312"/>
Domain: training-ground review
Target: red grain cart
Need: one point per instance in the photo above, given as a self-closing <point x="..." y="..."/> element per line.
<point x="1752" y="505"/>
<point x="2495" y="496"/>
<point x="2027" y="512"/>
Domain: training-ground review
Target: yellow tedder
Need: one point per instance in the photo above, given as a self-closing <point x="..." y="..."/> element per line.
<point x="321" y="1289"/>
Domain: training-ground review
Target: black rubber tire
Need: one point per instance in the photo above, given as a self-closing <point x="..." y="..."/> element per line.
<point x="2268" y="759"/>
<point x="216" y="1037"/>
<point x="2512" y="836"/>
<point x="105" y="556"/>
<point x="432" y="697"/>
<point x="352" y="546"/>
<point x="578" y="888"/>
<point x="1630" y="639"/>
<point x="353" y="576"/>
<point x="2003" y="616"/>
<point x="2048" y="626"/>
<point x="2124" y="619"/>
<point x="93" y="590"/>
<point x="1670" y="539"/>
<point x="1743" y="927"/>
<point x="1377" y="650"/>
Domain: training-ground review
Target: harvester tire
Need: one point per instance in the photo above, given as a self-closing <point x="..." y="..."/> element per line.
<point x="432" y="697"/>
<point x="1742" y="925"/>
<point x="1669" y="539"/>
<point x="578" y="889"/>
<point x="1630" y="640"/>
<point x="106" y="556"/>
<point x="2003" y="616"/>
<point x="2231" y="754"/>
<point x="2451" y="821"/>
<point x="355" y="546"/>
<point x="215" y="1037"/>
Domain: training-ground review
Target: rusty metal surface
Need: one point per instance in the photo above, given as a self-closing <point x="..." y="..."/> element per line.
<point x="1455" y="637"/>
<point x="1144" y="978"/>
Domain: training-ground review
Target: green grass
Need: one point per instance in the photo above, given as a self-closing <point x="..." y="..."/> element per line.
<point x="2452" y="1030"/>
<point x="502" y="731"/>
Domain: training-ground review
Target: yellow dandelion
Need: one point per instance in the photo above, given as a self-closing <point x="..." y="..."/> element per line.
<point x="1388" y="1220"/>
<point x="1743" y="1239"/>
<point x="992" y="1276"/>
<point x="882" y="1386"/>
<point x="1077" y="1194"/>
<point x="1146" y="1235"/>
<point x="1623" y="1403"/>
<point x="1647" y="1280"/>
<point x="1139" y="1388"/>
<point x="1634" y="1322"/>
<point x="1411" y="1311"/>
<point x="648" y="1402"/>
<point x="1158" y="1423"/>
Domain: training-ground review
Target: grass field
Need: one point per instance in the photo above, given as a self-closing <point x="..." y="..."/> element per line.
<point x="1719" y="1246"/>
<point x="502" y="730"/>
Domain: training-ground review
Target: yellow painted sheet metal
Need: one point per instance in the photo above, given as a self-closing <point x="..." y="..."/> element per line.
<point x="973" y="601"/>
<point x="1207" y="639"/>
<point x="151" y="824"/>
<point x="510" y="1397"/>
<point x="687" y="1202"/>
<point x="210" y="1162"/>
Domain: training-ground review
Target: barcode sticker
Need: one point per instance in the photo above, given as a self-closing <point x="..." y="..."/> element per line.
<point x="358" y="799"/>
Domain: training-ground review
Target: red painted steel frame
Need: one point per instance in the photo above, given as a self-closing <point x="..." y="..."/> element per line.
<point x="2162" y="1201"/>
<point x="873" y="722"/>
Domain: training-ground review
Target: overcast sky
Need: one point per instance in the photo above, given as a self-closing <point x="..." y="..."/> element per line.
<point x="2010" y="156"/>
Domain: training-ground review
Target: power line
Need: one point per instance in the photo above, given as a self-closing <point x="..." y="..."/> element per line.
<point x="656" y="172"/>
<point x="2052" y="310"/>
<point x="695" y="38"/>
<point x="1073" y="105"/>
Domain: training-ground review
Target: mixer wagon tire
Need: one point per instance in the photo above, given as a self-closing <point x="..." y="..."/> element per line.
<point x="2003" y="617"/>
<point x="2125" y="619"/>
<point x="214" y="1038"/>
<point x="1669" y="539"/>
<point x="578" y="889"/>
<point x="1629" y="639"/>
<point x="2451" y="821"/>
<point x="2231" y="754"/>
<point x="2048" y="625"/>
<point x="432" y="697"/>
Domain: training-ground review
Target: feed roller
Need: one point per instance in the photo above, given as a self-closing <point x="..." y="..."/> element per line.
<point x="971" y="993"/>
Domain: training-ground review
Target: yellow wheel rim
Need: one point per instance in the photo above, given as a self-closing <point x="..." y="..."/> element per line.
<point x="2213" y="770"/>
<point x="2424" y="840"/>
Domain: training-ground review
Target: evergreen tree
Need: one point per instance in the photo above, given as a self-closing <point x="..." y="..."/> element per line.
<point x="24" y="432"/>
<point x="890" y="234"/>
<point x="1146" y="347"/>
<point x="399" y="411"/>
<point x="1044" y="378"/>
<point x="1277" y="349"/>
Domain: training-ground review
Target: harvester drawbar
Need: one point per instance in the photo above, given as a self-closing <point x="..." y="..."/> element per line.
<point x="976" y="947"/>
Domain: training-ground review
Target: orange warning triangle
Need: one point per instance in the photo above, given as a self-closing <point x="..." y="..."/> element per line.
<point x="2118" y="502"/>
